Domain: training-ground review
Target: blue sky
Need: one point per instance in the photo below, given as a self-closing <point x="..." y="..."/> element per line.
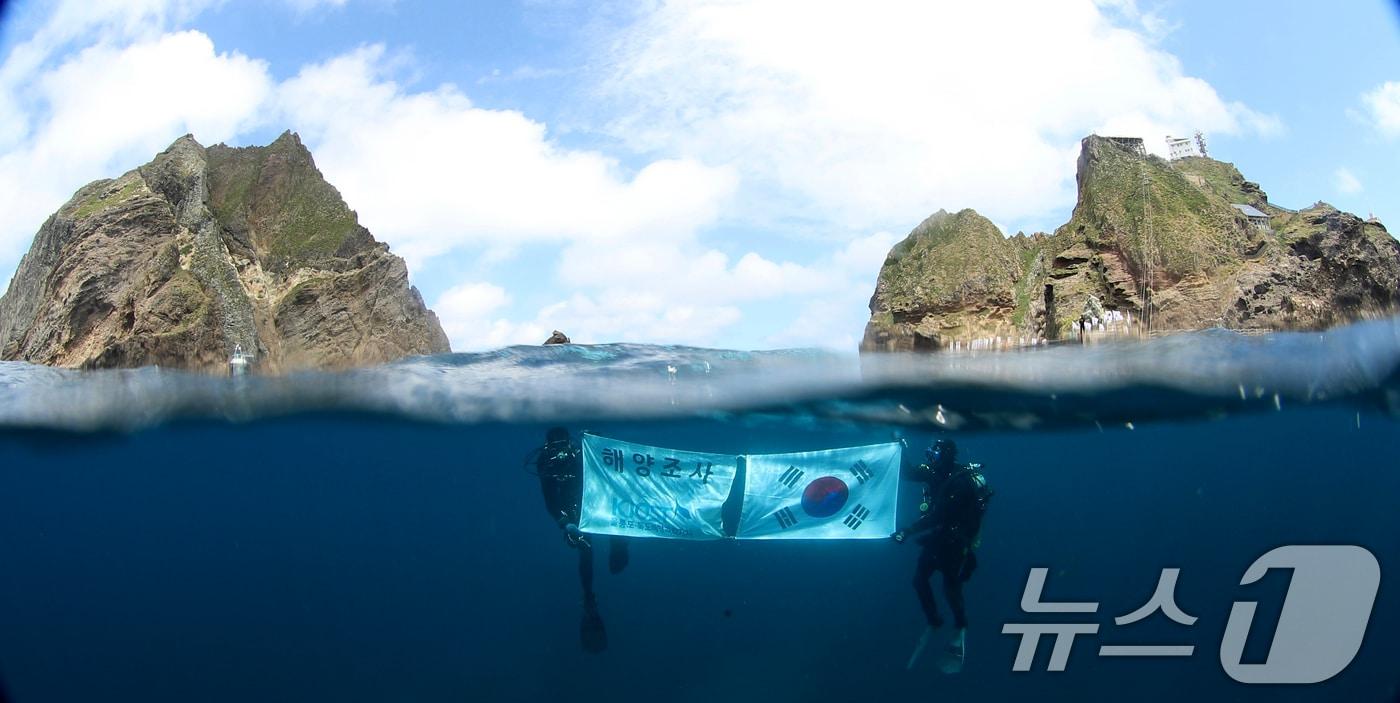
<point x="725" y="174"/>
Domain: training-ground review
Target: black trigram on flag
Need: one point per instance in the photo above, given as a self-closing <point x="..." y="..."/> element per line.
<point x="857" y="516"/>
<point x="861" y="471"/>
<point x="791" y="476"/>
<point x="785" y="518"/>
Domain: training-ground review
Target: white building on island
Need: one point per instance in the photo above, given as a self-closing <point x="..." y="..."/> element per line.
<point x="1180" y="148"/>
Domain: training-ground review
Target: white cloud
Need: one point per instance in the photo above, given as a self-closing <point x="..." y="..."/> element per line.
<point x="684" y="273"/>
<point x="876" y="114"/>
<point x="630" y="316"/>
<point x="469" y="315"/>
<point x="666" y="293"/>
<point x="1383" y="106"/>
<point x="472" y="301"/>
<point x="655" y="292"/>
<point x="67" y="26"/>
<point x="865" y="256"/>
<point x="74" y="24"/>
<point x="430" y="172"/>
<point x="625" y="310"/>
<point x="1346" y="182"/>
<point x="109" y="101"/>
<point x="836" y="317"/>
<point x="106" y="109"/>
<point x="108" y="21"/>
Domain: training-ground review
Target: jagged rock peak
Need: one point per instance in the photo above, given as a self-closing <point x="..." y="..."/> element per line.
<point x="1152" y="246"/>
<point x="203" y="249"/>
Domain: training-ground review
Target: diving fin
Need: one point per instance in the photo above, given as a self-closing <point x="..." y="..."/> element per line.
<point x="954" y="654"/>
<point x="617" y="555"/>
<point x="920" y="647"/>
<point x="592" y="636"/>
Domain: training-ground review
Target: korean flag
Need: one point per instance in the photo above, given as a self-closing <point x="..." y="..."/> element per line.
<point x="833" y="494"/>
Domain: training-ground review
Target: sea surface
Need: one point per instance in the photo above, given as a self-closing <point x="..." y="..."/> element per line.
<point x="376" y="536"/>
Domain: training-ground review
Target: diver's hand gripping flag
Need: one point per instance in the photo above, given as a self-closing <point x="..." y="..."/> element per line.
<point x="833" y="494"/>
<point x="639" y="491"/>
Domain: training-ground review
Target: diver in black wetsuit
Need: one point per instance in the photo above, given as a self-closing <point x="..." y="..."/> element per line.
<point x="955" y="499"/>
<point x="559" y="465"/>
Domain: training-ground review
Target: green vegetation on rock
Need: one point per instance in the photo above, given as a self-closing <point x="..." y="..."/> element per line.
<point x="1023" y="288"/>
<point x="1143" y="208"/>
<point x="946" y="260"/>
<point x="1148" y="240"/>
<point x="113" y="193"/>
<point x="278" y="198"/>
<point x="1220" y="178"/>
<point x="185" y="297"/>
<point x="180" y="260"/>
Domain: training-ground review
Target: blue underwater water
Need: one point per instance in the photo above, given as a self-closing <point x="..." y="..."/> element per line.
<point x="374" y="536"/>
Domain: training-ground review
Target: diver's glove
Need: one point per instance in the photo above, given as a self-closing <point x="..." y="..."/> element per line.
<point x="574" y="536"/>
<point x="897" y="536"/>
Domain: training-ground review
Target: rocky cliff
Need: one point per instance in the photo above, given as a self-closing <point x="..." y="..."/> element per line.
<point x="177" y="262"/>
<point x="1151" y="246"/>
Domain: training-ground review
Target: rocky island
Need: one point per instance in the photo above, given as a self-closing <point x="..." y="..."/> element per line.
<point x="204" y="251"/>
<point x="1152" y="246"/>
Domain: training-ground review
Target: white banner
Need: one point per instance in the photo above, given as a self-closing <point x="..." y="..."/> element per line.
<point x="639" y="491"/>
<point x="833" y="494"/>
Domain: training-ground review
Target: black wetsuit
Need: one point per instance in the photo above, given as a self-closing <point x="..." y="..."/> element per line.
<point x="957" y="501"/>
<point x="561" y="483"/>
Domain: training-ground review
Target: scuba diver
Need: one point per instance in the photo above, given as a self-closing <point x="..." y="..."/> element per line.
<point x="559" y="466"/>
<point x="954" y="501"/>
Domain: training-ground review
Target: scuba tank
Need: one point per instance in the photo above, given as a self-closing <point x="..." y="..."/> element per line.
<point x="553" y="461"/>
<point x="982" y="494"/>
